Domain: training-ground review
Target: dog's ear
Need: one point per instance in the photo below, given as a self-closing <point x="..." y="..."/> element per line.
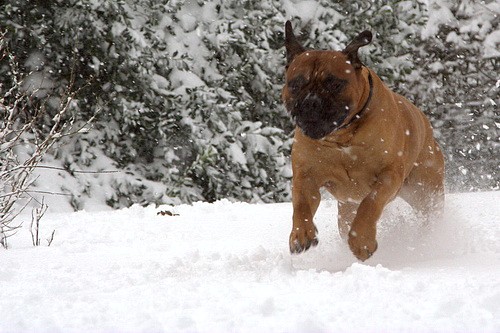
<point x="293" y="47"/>
<point x="351" y="50"/>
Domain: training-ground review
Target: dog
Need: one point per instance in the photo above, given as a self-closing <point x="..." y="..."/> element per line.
<point x="358" y="139"/>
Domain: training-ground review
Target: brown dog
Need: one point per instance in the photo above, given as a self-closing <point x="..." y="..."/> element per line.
<point x="364" y="143"/>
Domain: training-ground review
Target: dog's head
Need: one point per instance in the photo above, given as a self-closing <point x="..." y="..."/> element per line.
<point x="322" y="88"/>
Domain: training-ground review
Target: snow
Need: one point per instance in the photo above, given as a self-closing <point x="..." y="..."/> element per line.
<point x="185" y="79"/>
<point x="226" y="267"/>
<point x="439" y="13"/>
<point x="306" y="10"/>
<point x="491" y="45"/>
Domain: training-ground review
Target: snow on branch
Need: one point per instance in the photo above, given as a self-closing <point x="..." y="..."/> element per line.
<point x="22" y="117"/>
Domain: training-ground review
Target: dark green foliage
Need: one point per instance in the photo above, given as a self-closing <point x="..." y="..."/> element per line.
<point x="455" y="80"/>
<point x="186" y="94"/>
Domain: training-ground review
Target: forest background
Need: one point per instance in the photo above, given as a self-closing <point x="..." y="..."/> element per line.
<point x="181" y="99"/>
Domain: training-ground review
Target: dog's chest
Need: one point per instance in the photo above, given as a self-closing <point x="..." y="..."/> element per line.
<point x="348" y="172"/>
<point x="351" y="173"/>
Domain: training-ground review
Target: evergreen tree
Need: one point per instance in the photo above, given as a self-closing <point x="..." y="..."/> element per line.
<point x="458" y="59"/>
<point x="185" y="95"/>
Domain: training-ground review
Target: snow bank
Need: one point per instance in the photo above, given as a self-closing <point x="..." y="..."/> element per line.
<point x="226" y="267"/>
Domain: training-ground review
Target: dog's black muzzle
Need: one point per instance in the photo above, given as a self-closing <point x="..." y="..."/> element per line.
<point x="316" y="117"/>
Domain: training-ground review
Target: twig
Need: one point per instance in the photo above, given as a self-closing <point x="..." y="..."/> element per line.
<point x="36" y="215"/>
<point x="76" y="171"/>
<point x="56" y="168"/>
<point x="48" y="192"/>
<point x="49" y="240"/>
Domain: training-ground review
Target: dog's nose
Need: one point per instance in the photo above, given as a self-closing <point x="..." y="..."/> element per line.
<point x="312" y="102"/>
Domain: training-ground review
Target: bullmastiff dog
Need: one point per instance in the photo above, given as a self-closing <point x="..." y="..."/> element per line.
<point x="358" y="139"/>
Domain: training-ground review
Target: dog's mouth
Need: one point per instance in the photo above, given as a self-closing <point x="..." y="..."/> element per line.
<point x="319" y="129"/>
<point x="317" y="124"/>
<point x="318" y="116"/>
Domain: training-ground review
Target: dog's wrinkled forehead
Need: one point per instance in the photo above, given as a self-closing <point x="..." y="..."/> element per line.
<point x="320" y="64"/>
<point x="319" y="70"/>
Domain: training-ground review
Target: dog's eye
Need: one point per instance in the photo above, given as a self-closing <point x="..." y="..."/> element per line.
<point x="295" y="84"/>
<point x="333" y="84"/>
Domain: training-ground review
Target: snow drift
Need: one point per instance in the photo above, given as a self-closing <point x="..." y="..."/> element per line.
<point x="226" y="267"/>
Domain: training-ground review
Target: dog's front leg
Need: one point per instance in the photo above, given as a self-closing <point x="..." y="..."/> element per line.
<point x="362" y="237"/>
<point x="306" y="198"/>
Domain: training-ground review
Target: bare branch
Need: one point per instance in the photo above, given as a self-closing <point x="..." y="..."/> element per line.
<point x="36" y="215"/>
<point x="51" y="238"/>
<point x="21" y="116"/>
<point x="73" y="171"/>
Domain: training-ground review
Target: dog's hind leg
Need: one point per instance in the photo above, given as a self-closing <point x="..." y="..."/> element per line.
<point x="346" y="214"/>
<point x="423" y="189"/>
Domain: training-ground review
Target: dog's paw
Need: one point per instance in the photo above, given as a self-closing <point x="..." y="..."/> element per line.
<point x="301" y="239"/>
<point x="361" y="246"/>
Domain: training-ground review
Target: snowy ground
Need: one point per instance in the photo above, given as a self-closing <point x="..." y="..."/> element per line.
<point x="226" y="267"/>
